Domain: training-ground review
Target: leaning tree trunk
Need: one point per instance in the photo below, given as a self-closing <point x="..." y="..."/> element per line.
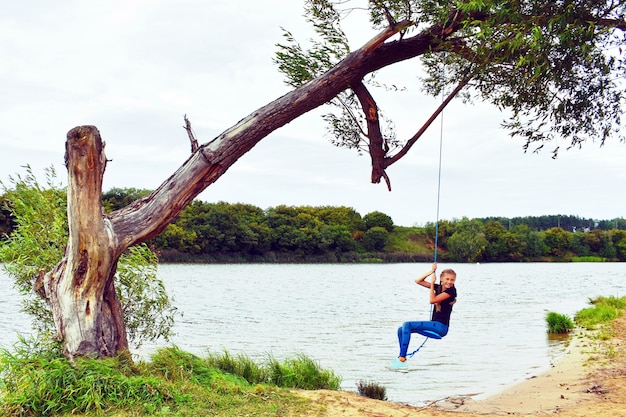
<point x="80" y="290"/>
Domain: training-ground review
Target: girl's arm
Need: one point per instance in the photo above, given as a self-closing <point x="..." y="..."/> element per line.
<point x="422" y="280"/>
<point x="436" y="299"/>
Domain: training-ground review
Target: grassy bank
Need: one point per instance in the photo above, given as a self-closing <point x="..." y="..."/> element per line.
<point x="38" y="381"/>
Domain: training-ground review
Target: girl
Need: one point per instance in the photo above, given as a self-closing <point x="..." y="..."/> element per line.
<point x="443" y="296"/>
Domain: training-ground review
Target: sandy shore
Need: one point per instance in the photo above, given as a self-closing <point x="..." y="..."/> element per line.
<point x="588" y="380"/>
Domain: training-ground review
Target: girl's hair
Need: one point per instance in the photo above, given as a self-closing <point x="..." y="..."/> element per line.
<point x="445" y="271"/>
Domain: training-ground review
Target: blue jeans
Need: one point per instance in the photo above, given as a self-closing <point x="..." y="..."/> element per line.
<point x="432" y="329"/>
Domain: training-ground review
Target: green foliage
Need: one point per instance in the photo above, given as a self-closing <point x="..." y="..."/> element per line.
<point x="620" y="249"/>
<point x="411" y="240"/>
<point x="558" y="241"/>
<point x="372" y="390"/>
<point x="303" y="373"/>
<point x="38" y="242"/>
<point x="36" y="380"/>
<point x="554" y="66"/>
<point x="117" y="198"/>
<point x="604" y="310"/>
<point x="299" y="372"/>
<point x="300" y="65"/>
<point x="222" y="232"/>
<point x="502" y="244"/>
<point x="177" y="366"/>
<point x="588" y="259"/>
<point x="6" y="221"/>
<point x="547" y="63"/>
<point x="468" y="241"/>
<point x="240" y="365"/>
<point x="378" y="219"/>
<point x="148" y="310"/>
<point x="375" y="239"/>
<point x="559" y="323"/>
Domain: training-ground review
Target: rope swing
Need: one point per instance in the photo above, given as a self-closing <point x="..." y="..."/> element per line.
<point x="444" y="102"/>
<point x="430" y="332"/>
<point x="434" y="335"/>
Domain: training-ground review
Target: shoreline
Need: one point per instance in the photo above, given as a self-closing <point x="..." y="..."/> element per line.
<point x="584" y="381"/>
<point x="566" y="384"/>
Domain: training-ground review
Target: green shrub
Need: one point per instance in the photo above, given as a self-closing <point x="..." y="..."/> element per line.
<point x="559" y="323"/>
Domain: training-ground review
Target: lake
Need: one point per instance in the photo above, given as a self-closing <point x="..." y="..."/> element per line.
<point x="346" y="318"/>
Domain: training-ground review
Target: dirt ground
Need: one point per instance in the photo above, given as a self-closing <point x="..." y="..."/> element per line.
<point x="589" y="380"/>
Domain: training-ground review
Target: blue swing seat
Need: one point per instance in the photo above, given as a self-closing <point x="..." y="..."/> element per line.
<point x="429" y="333"/>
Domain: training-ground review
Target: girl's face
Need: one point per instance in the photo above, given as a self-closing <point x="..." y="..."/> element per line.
<point x="447" y="280"/>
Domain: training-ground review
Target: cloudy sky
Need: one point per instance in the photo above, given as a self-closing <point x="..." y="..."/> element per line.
<point x="133" y="68"/>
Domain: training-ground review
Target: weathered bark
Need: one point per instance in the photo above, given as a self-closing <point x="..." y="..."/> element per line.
<point x="80" y="290"/>
<point x="377" y="146"/>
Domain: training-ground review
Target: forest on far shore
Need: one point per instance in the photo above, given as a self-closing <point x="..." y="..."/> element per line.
<point x="224" y="232"/>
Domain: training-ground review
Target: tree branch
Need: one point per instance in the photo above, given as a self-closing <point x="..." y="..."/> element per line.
<point x="618" y="24"/>
<point x="389" y="31"/>
<point x="148" y="216"/>
<point x="431" y="119"/>
<point x="192" y="138"/>
<point x="377" y="146"/>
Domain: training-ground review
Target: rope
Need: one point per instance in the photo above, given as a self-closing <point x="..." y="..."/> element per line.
<point x="410" y="355"/>
<point x="438" y="188"/>
<point x="439" y="173"/>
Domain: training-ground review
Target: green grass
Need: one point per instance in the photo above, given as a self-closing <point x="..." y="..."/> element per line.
<point x="559" y="323"/>
<point x="36" y="381"/>
<point x="299" y="372"/>
<point x="410" y="240"/>
<point x="604" y="310"/>
<point x="588" y="259"/>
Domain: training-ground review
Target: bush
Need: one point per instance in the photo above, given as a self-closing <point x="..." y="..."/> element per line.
<point x="372" y="390"/>
<point x="375" y="239"/>
<point x="559" y="323"/>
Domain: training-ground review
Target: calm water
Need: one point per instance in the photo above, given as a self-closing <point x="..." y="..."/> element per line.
<point x="346" y="316"/>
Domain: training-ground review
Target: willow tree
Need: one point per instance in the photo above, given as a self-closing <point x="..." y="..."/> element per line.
<point x="554" y="65"/>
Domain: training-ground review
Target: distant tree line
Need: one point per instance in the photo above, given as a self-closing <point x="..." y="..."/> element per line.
<point x="224" y="232"/>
